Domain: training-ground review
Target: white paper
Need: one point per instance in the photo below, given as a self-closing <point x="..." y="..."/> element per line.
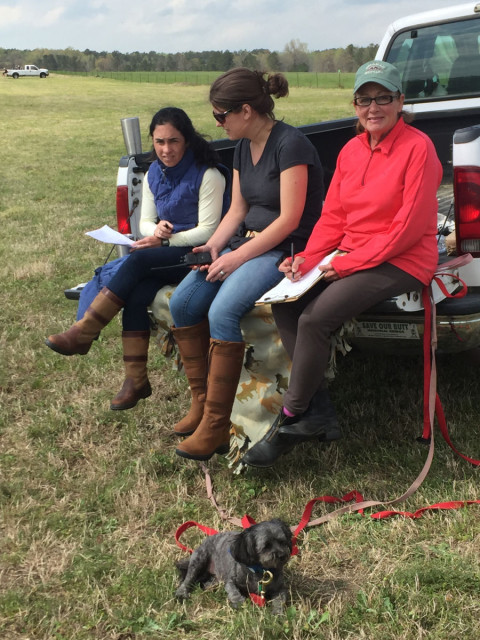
<point x="288" y="290"/>
<point x="109" y="235"/>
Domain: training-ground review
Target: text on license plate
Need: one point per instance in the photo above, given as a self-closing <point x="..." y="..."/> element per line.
<point x="398" y="330"/>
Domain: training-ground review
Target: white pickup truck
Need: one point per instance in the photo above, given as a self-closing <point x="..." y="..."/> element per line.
<point x="438" y="55"/>
<point x="29" y="70"/>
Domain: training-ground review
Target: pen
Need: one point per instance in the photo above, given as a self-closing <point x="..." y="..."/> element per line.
<point x="292" y="253"/>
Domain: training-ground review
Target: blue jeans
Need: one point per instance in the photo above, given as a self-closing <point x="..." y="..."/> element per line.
<point x="225" y="302"/>
<point x="137" y="282"/>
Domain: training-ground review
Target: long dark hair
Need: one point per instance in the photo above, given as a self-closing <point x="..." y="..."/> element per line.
<point x="202" y="151"/>
<point x="241" y="86"/>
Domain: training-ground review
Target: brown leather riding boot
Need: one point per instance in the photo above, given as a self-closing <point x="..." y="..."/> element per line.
<point x="213" y="433"/>
<point x="136" y="385"/>
<point x="193" y="343"/>
<point x="79" y="338"/>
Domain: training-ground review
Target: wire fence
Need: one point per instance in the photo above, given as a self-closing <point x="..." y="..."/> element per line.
<point x="316" y="80"/>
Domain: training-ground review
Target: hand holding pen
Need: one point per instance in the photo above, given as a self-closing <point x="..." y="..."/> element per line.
<point x="290" y="266"/>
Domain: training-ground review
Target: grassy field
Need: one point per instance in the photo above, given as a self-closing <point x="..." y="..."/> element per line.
<point x="90" y="499"/>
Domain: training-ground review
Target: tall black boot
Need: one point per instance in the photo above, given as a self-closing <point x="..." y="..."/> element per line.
<point x="319" y="422"/>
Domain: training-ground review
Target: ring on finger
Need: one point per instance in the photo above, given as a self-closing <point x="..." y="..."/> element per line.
<point x="222" y="273"/>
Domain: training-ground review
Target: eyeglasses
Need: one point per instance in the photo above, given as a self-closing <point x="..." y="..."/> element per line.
<point x="364" y="101"/>
<point x="221" y="117"/>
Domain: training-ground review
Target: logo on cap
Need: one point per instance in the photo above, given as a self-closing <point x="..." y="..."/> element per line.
<point x="374" y="67"/>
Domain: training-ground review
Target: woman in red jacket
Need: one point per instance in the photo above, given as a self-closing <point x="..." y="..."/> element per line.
<point x="381" y="211"/>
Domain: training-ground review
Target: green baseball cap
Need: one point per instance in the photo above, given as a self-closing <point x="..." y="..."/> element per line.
<point x="380" y="72"/>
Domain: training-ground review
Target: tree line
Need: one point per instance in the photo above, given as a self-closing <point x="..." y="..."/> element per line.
<point x="294" y="57"/>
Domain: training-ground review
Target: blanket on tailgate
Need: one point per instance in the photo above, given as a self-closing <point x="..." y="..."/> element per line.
<point x="264" y="376"/>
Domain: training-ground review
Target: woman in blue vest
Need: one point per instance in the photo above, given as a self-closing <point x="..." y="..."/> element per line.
<point x="184" y="193"/>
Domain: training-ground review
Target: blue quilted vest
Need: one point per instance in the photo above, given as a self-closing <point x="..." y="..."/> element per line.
<point x="176" y="189"/>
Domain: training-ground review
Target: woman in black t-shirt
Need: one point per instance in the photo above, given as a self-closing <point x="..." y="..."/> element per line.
<point x="277" y="196"/>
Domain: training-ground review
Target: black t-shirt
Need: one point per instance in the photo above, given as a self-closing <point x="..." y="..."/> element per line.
<point x="260" y="184"/>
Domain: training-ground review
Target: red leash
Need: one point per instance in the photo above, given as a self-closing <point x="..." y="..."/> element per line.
<point x="186" y="525"/>
<point x="359" y="505"/>
<point x="245" y="522"/>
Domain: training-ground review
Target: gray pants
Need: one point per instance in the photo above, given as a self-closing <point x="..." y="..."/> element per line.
<point x="306" y="325"/>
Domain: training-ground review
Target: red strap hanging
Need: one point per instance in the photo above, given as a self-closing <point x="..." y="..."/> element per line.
<point x="431" y="400"/>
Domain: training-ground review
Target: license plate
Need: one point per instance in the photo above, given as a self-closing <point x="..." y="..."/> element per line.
<point x="397" y="330"/>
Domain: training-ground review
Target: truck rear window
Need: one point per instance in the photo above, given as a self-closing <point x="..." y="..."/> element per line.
<point x="439" y="60"/>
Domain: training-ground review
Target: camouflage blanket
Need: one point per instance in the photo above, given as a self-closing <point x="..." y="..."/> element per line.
<point x="264" y="376"/>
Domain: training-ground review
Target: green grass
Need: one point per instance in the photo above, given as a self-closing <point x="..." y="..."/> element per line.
<point x="90" y="499"/>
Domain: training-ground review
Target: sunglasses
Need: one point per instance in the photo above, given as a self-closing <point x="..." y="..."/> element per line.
<point x="221" y="117"/>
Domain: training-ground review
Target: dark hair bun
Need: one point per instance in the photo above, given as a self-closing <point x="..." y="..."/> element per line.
<point x="277" y="85"/>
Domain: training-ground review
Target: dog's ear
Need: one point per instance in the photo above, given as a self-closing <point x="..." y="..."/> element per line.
<point x="285" y="529"/>
<point x="243" y="548"/>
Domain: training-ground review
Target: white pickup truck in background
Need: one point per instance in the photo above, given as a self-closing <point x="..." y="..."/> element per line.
<point x="29" y="70"/>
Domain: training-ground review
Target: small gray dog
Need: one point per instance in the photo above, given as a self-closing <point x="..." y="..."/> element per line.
<point x="243" y="561"/>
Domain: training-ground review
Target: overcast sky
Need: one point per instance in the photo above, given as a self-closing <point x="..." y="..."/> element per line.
<point x="170" y="26"/>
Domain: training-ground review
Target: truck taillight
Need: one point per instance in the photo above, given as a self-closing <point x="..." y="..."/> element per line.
<point x="467" y="210"/>
<point x="123" y="213"/>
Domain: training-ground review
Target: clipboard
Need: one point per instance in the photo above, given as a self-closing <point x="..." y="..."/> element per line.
<point x="288" y="291"/>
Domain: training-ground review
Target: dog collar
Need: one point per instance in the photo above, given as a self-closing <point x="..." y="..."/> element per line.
<point x="267" y="577"/>
<point x="257" y="568"/>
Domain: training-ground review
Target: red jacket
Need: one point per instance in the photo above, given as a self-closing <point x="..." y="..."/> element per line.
<point x="381" y="206"/>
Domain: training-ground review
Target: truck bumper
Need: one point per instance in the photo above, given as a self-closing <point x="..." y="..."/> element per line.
<point x="457" y="322"/>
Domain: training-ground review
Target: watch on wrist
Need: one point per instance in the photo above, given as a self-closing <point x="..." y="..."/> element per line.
<point x="165" y="242"/>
